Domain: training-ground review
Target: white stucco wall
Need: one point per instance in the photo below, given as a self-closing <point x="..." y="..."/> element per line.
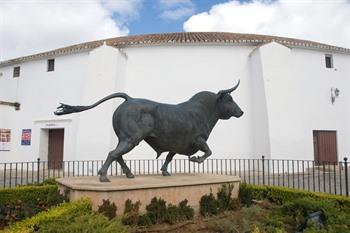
<point x="39" y="93"/>
<point x="173" y="74"/>
<point x="285" y="94"/>
<point x="105" y="74"/>
<point x="260" y="124"/>
<point x="298" y="87"/>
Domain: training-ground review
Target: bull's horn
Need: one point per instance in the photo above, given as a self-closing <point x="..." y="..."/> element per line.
<point x="229" y="90"/>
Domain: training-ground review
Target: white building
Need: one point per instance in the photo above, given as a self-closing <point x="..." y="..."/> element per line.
<point x="286" y="93"/>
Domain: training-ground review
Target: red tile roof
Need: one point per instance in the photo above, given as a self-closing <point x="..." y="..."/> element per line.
<point x="182" y="38"/>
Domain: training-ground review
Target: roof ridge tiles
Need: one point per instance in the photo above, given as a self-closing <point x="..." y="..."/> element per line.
<point x="181" y="38"/>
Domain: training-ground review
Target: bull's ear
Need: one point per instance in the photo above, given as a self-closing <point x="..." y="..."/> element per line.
<point x="220" y="95"/>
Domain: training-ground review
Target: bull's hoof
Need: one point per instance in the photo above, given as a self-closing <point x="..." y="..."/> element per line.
<point x="130" y="175"/>
<point x="103" y="178"/>
<point x="197" y="159"/>
<point x="166" y="173"/>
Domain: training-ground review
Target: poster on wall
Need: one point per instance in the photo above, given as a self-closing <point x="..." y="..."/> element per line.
<point x="5" y="139"/>
<point x="26" y="137"/>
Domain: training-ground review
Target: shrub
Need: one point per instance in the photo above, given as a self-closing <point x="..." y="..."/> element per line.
<point x="296" y="205"/>
<point x="208" y="205"/>
<point x="178" y="213"/>
<point x="281" y="195"/>
<point x="245" y="195"/>
<point x="224" y="197"/>
<point x="186" y="211"/>
<point x="108" y="209"/>
<point x="49" y="181"/>
<point x="156" y="210"/>
<point x="131" y="212"/>
<point x="22" y="202"/>
<point x="144" y="220"/>
<point x="33" y="223"/>
<point x="69" y="217"/>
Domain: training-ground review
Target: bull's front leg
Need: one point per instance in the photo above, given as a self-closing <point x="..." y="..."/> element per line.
<point x="202" y="146"/>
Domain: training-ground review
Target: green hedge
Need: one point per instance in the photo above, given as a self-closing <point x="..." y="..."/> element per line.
<point x="33" y="224"/>
<point x="25" y="201"/>
<point x="27" y="194"/>
<point x="281" y="195"/>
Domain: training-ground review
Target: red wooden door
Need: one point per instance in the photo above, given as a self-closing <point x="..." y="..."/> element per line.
<point x="325" y="146"/>
<point x="55" y="156"/>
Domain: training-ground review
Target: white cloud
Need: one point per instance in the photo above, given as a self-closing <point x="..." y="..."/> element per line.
<point x="124" y="8"/>
<point x="28" y="27"/>
<point x="323" y="21"/>
<point x="176" y="9"/>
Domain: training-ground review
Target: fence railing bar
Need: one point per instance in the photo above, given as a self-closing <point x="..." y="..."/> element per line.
<point x="327" y="177"/>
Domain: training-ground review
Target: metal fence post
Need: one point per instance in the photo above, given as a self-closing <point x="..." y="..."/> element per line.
<point x="263" y="168"/>
<point x="346" y="176"/>
<point x="38" y="173"/>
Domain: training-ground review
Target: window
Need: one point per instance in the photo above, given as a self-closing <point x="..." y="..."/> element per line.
<point x="16" y="71"/>
<point x="329" y="61"/>
<point x="50" y="65"/>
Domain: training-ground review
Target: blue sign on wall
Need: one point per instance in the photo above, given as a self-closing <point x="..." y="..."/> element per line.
<point x="26" y="137"/>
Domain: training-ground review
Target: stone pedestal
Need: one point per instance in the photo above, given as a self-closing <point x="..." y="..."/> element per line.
<point x="172" y="189"/>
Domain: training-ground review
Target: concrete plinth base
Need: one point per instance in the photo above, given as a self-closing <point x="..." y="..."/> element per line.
<point x="172" y="189"/>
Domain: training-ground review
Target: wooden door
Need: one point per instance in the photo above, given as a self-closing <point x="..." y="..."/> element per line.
<point x="55" y="156"/>
<point x="325" y="146"/>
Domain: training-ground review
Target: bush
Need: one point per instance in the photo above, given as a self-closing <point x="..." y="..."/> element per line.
<point x="186" y="211"/>
<point x="131" y="212"/>
<point x="49" y="181"/>
<point x="33" y="223"/>
<point x="224" y="197"/>
<point x="69" y="217"/>
<point x="208" y="205"/>
<point x="281" y="195"/>
<point x="296" y="205"/>
<point x="156" y="210"/>
<point x="144" y="220"/>
<point x="179" y="213"/>
<point x="108" y="209"/>
<point x="22" y="202"/>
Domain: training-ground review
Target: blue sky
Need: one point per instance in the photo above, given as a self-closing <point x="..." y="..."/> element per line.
<point x="151" y="22"/>
<point x="32" y="26"/>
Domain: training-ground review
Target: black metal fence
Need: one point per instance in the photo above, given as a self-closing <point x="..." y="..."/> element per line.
<point x="300" y="174"/>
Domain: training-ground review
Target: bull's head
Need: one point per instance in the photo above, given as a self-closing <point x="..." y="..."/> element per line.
<point x="226" y="106"/>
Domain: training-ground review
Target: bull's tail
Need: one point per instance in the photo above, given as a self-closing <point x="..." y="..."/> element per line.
<point x="67" y="109"/>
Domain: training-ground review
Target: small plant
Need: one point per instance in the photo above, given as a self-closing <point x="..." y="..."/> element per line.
<point x="224" y="197"/>
<point x="131" y="212"/>
<point x="186" y="211"/>
<point x="245" y="195"/>
<point x="49" y="181"/>
<point x="144" y="220"/>
<point x="208" y="205"/>
<point x="179" y="213"/>
<point x="156" y="210"/>
<point x="108" y="209"/>
<point x="25" y="201"/>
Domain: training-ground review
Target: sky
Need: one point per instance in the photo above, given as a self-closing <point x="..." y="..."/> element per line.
<point x="32" y="26"/>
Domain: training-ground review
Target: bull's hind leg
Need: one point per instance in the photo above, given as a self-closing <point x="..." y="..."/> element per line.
<point x="125" y="168"/>
<point x="122" y="148"/>
<point x="168" y="159"/>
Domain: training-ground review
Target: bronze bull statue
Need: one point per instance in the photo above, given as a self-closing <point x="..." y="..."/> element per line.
<point x="177" y="129"/>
